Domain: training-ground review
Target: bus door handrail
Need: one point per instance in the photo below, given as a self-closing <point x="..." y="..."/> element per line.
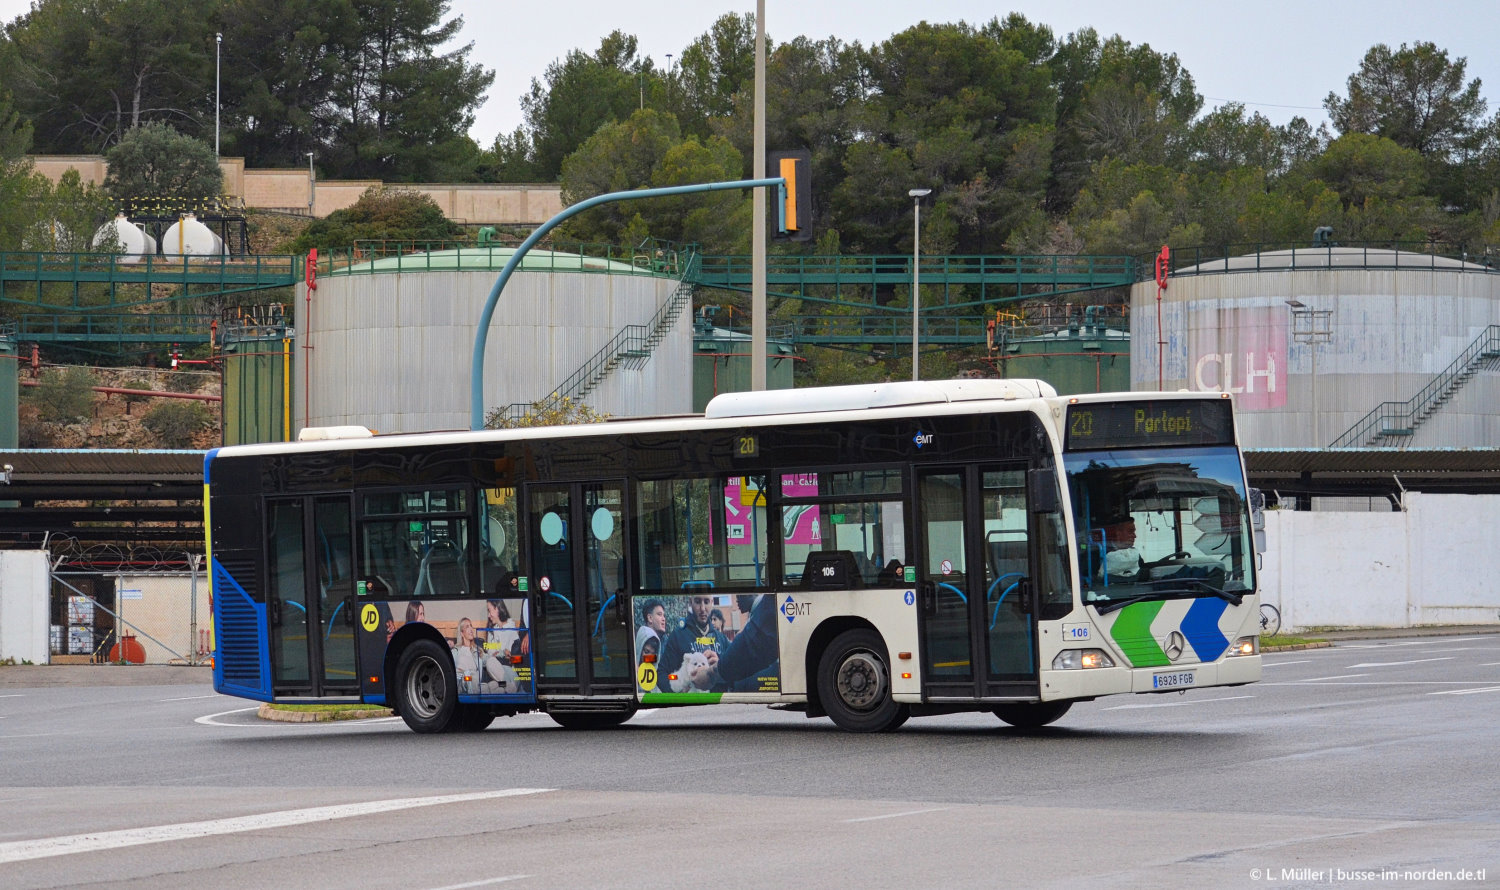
<point x="955" y="590"/>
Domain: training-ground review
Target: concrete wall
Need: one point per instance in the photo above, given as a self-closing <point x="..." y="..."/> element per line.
<point x="393" y="351"/>
<point x="1435" y="563"/>
<point x="1392" y="332"/>
<point x="287" y="189"/>
<point x="24" y="606"/>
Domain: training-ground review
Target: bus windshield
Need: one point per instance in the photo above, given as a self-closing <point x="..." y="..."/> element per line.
<point x="1161" y="523"/>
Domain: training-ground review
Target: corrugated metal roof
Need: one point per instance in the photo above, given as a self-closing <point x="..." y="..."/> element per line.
<point x="103" y="464"/>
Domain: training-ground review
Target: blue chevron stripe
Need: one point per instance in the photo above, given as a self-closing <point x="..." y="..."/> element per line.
<point x="1201" y="627"/>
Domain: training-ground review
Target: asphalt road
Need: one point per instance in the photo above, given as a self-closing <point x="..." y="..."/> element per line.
<point x="1370" y="763"/>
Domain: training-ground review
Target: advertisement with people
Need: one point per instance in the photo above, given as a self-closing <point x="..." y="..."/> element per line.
<point x="490" y="639"/>
<point x="703" y="642"/>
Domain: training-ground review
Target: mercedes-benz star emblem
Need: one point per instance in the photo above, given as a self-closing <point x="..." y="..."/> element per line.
<point x="1175" y="644"/>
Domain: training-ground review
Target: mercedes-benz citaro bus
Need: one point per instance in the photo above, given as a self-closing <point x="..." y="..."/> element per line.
<point x="867" y="553"/>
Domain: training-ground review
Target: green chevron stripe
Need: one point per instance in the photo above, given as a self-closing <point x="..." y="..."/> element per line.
<point x="684" y="698"/>
<point x="1132" y="632"/>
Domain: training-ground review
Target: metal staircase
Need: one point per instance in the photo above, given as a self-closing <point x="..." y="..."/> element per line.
<point x="1392" y="424"/>
<point x="631" y="348"/>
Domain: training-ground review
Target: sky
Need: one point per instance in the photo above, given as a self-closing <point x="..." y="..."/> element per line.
<point x="1278" y="57"/>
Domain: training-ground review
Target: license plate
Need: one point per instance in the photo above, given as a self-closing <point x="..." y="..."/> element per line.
<point x="1171" y="681"/>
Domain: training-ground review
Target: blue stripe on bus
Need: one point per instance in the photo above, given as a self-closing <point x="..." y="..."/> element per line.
<point x="242" y="665"/>
<point x="1201" y="627"/>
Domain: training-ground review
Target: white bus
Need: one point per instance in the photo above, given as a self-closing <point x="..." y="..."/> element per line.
<point x="865" y="553"/>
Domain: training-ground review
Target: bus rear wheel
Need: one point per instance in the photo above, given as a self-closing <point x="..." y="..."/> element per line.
<point x="590" y="719"/>
<point x="426" y="687"/>
<point x="854" y="684"/>
<point x="1033" y="715"/>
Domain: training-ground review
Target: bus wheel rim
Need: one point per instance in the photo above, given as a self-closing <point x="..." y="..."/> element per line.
<point x="861" y="681"/>
<point x="424" y="688"/>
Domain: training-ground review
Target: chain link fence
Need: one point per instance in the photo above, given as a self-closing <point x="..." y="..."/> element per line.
<point x="140" y="618"/>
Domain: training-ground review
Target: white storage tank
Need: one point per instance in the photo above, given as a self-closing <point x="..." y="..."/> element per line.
<point x="1331" y="346"/>
<point x="189" y="237"/>
<point x="130" y="239"/>
<point x="389" y="343"/>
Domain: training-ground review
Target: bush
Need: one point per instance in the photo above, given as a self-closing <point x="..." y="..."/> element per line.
<point x="63" y="395"/>
<point x="174" y="423"/>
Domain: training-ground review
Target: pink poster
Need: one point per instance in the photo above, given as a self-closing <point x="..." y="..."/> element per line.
<point x="1241" y="351"/>
<point x="800" y="522"/>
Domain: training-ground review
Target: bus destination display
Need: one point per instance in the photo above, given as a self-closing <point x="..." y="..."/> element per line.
<point x="1138" y="424"/>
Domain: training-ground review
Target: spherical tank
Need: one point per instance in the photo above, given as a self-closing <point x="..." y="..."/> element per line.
<point x="130" y="239"/>
<point x="189" y="237"/>
<point x="1330" y="347"/>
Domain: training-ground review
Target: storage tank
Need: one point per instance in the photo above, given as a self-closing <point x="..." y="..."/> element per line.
<point x="1086" y="356"/>
<point x="721" y="362"/>
<point x="388" y="344"/>
<point x="189" y="237"/>
<point x="1331" y="346"/>
<point x="130" y="239"/>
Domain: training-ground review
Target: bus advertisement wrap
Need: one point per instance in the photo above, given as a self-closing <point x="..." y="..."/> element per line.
<point x="702" y="642"/>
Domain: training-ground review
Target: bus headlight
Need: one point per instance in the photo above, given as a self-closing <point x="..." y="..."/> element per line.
<point x="1081" y="659"/>
<point x="1245" y="646"/>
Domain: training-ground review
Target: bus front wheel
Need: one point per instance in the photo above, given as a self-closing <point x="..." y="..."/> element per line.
<point x="1033" y="715"/>
<point x="426" y="687"/>
<point x="854" y="683"/>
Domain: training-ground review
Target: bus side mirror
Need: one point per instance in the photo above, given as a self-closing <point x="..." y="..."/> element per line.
<point x="1041" y="491"/>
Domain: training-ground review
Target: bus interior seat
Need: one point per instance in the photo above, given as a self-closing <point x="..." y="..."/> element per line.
<point x="831" y="570"/>
<point x="1007" y="557"/>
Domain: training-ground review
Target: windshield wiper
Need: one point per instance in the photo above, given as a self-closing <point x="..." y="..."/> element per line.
<point x="1165" y="587"/>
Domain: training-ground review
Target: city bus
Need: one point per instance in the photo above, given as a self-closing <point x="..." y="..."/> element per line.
<point x="866" y="553"/>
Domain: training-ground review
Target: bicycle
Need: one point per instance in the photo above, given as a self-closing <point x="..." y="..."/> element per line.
<point x="1270" y="620"/>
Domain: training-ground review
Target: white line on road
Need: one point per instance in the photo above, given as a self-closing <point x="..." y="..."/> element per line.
<point x="484" y="883"/>
<point x="1386" y="664"/>
<point x="1490" y="664"/>
<point x="1277" y="664"/>
<point x="190" y="698"/>
<point x="41" y="848"/>
<point x="1177" y="704"/>
<point x="14" y="695"/>
<point x="1466" y="691"/>
<point x="898" y="815"/>
<point x="1339" y="677"/>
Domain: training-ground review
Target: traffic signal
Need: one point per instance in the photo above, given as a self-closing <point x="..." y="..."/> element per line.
<point x="794" y="200"/>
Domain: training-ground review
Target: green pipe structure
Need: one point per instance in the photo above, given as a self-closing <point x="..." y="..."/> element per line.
<point x="481" y="336"/>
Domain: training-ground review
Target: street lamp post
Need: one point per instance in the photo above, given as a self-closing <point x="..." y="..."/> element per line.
<point x="916" y="196"/>
<point x="1310" y="327"/>
<point x="312" y="184"/>
<point x="218" y="44"/>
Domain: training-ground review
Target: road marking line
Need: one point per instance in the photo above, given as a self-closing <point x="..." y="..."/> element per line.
<point x="639" y="715"/>
<point x="1339" y="677"/>
<point x="1466" y="691"/>
<point x="1386" y="664"/>
<point x="898" y="815"/>
<point x="1490" y="664"/>
<point x="190" y="698"/>
<point x="41" y="848"/>
<point x="485" y="883"/>
<point x="1277" y="664"/>
<point x="1176" y="704"/>
<point x="14" y="695"/>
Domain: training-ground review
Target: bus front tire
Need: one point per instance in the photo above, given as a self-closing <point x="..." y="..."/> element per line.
<point x="854" y="684"/>
<point x="427" y="688"/>
<point x="1033" y="715"/>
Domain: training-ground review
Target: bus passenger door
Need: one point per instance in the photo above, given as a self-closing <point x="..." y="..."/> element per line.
<point x="975" y="581"/>
<point x="577" y="535"/>
<point x="310" y="602"/>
